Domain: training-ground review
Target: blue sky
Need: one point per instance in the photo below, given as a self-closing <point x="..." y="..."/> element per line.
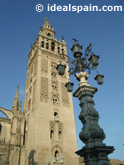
<point x="19" y="27"/>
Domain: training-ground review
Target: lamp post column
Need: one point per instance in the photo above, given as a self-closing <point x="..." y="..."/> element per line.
<point x="95" y="152"/>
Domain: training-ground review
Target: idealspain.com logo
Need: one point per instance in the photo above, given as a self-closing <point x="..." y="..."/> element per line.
<point x="78" y="9"/>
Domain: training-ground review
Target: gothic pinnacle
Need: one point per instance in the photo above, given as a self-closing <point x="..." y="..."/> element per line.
<point x="16" y="100"/>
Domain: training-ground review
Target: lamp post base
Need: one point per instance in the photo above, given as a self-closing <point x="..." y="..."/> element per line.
<point x="97" y="155"/>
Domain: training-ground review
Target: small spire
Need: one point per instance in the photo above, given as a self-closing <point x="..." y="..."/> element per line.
<point x="20" y="107"/>
<point x="46" y="23"/>
<point x="20" y="104"/>
<point x="17" y="94"/>
<point x="16" y="99"/>
<point x="46" y="26"/>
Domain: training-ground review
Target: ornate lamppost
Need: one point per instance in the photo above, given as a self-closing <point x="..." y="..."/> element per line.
<point x="95" y="152"/>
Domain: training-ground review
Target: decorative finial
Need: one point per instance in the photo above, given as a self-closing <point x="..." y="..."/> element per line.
<point x="62" y="37"/>
<point x="46" y="19"/>
<point x="74" y="40"/>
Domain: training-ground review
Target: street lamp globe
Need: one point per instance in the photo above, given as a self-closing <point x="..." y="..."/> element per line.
<point x="61" y="69"/>
<point x="77" y="50"/>
<point x="69" y="86"/>
<point x="99" y="79"/>
<point x="94" y="60"/>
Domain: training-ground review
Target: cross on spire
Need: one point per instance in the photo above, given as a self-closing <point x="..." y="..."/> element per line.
<point x="74" y="40"/>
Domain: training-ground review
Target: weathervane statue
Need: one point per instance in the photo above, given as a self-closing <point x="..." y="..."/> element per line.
<point x="46" y="19"/>
<point x="74" y="40"/>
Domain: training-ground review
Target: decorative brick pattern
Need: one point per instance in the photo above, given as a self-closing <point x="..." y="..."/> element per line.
<point x="52" y="125"/>
<point x="60" y="127"/>
<point x="55" y="86"/>
<point x="65" y="99"/>
<point x="54" y="74"/>
<point x="44" y="89"/>
<point x="44" y="65"/>
<point x="53" y="65"/>
<point x="55" y="99"/>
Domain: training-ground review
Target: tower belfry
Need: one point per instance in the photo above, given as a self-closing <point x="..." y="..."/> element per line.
<point x="50" y="136"/>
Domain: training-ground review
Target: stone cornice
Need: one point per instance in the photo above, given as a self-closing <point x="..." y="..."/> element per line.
<point x="83" y="90"/>
<point x="43" y="28"/>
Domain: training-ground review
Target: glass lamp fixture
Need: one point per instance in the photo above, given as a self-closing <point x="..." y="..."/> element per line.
<point x="80" y="64"/>
<point x="99" y="79"/>
<point x="69" y="86"/>
<point x="94" y="60"/>
<point x="76" y="49"/>
<point x="61" y="69"/>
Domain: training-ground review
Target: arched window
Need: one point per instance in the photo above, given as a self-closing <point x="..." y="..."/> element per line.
<point x="58" y="49"/>
<point x="24" y="133"/>
<point x="51" y="134"/>
<point x="47" y="45"/>
<point x="52" y="46"/>
<point x="54" y="75"/>
<point x="53" y="65"/>
<point x="55" y="99"/>
<point x="55" y="114"/>
<point x="56" y="117"/>
<point x="48" y="34"/>
<point x="54" y="86"/>
<point x="56" y="154"/>
<point x="60" y="135"/>
<point x="62" y="51"/>
<point x="42" y="44"/>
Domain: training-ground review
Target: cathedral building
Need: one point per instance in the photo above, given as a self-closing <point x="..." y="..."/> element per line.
<point x="44" y="132"/>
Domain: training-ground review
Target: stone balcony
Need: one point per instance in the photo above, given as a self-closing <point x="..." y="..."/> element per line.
<point x="57" y="159"/>
<point x="56" y="118"/>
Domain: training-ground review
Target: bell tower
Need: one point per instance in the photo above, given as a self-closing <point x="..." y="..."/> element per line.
<point x="50" y="136"/>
